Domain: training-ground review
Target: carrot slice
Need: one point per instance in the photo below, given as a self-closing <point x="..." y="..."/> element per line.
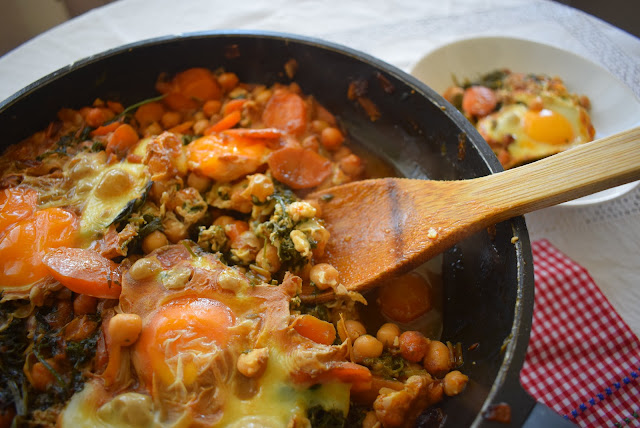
<point x="287" y="111"/>
<point x="148" y="113"/>
<point x="123" y="138"/>
<point x="198" y="83"/>
<point x="342" y="371"/>
<point x="299" y="168"/>
<point x="233" y="105"/>
<point x="315" y="329"/>
<point x="182" y="128"/>
<point x="105" y="129"/>
<point x="84" y="271"/>
<point x="179" y="102"/>
<point x="263" y="133"/>
<point x="96" y="116"/>
<point x="478" y="101"/>
<point x="229" y="121"/>
<point x="191" y="88"/>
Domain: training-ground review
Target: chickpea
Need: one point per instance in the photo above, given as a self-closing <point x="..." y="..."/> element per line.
<point x="351" y="165"/>
<point x="437" y="360"/>
<point x="341" y="153"/>
<point x="174" y="229"/>
<point x="199" y="182"/>
<point x="84" y="304"/>
<point x="331" y="138"/>
<point x="324" y="276"/>
<point x="153" y="129"/>
<point x="454" y="94"/>
<point x="200" y="126"/>
<point x="260" y="186"/>
<point x="319" y="125"/>
<point x="454" y="383"/>
<point x="114" y="183"/>
<point x="124" y="329"/>
<point x="153" y="241"/>
<point x="370" y="420"/>
<point x="223" y="220"/>
<point x="171" y="119"/>
<point x="263" y="96"/>
<point x="144" y="268"/>
<point x="228" y="81"/>
<point x="388" y="334"/>
<point x="354" y="329"/>
<point x="311" y="142"/>
<point x="211" y="107"/>
<point x="267" y="258"/>
<point x="366" y="346"/>
<point x="413" y="346"/>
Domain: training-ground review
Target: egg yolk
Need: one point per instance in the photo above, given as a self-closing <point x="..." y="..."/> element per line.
<point x="177" y="339"/>
<point x="548" y="126"/>
<point x="23" y="247"/>
<point x="226" y="158"/>
<point x="16" y="204"/>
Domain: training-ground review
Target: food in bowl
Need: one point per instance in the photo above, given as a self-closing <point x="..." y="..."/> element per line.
<point x="523" y="117"/>
<point x="153" y="261"/>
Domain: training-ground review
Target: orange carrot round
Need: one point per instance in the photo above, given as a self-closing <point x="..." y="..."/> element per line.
<point x="96" y="116"/>
<point x="229" y="121"/>
<point x="84" y="272"/>
<point x="315" y="329"/>
<point x="233" y="105"/>
<point x="182" y="128"/>
<point x="299" y="168"/>
<point x="478" y="101"/>
<point x="123" y="138"/>
<point x="105" y="129"/>
<point x="148" y="113"/>
<point x="287" y="111"/>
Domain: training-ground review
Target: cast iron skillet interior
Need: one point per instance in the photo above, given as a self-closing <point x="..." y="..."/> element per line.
<point x="488" y="280"/>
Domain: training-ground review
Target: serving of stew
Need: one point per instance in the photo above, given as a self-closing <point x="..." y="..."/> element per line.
<point x="153" y="260"/>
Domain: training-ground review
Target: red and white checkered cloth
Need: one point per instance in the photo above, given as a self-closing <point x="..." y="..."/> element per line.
<point x="583" y="361"/>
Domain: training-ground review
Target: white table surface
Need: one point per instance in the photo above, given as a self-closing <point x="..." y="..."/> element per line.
<point x="604" y="238"/>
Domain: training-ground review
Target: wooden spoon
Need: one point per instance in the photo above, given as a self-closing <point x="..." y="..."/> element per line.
<point x="384" y="227"/>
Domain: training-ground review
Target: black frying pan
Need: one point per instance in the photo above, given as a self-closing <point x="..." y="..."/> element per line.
<point x="488" y="280"/>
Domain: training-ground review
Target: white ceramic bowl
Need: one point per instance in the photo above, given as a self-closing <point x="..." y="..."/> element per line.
<point x="614" y="107"/>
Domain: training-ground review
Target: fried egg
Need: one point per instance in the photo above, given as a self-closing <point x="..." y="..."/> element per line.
<point x="199" y="317"/>
<point x="535" y="126"/>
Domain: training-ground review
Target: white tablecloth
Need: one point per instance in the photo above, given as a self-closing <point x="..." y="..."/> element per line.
<point x="604" y="238"/>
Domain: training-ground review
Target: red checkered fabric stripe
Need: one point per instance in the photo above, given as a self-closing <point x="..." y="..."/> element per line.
<point x="583" y="361"/>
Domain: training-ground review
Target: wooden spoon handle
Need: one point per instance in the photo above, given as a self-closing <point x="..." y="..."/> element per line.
<point x="580" y="171"/>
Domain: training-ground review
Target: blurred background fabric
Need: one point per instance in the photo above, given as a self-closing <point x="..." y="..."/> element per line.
<point x="22" y="20"/>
